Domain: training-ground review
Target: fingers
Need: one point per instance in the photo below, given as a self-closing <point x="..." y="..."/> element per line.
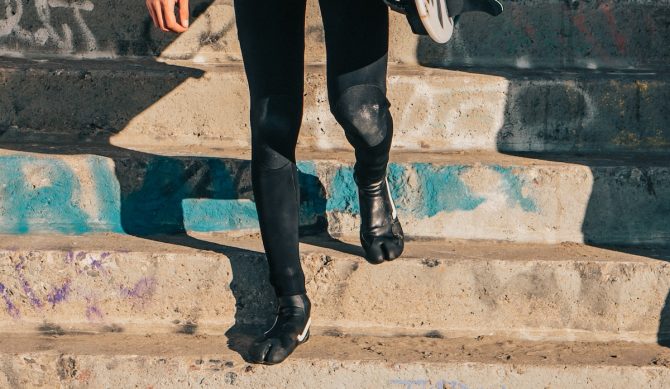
<point x="152" y="13"/>
<point x="159" y="15"/>
<point x="163" y="14"/>
<point x="183" y="13"/>
<point x="170" y="19"/>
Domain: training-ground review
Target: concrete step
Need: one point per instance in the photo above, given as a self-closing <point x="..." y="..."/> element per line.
<point x="78" y="189"/>
<point x="206" y="284"/>
<point x="530" y="33"/>
<point x="144" y="103"/>
<point x="118" y="360"/>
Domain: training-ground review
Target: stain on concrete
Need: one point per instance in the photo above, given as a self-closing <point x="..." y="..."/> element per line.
<point x="67" y="368"/>
<point x="442" y="190"/>
<point x="513" y="186"/>
<point x="141" y="290"/>
<point x="343" y="193"/>
<point x="11" y="308"/>
<point x="187" y="328"/>
<point x="60" y="294"/>
<point x="25" y="285"/>
<point x="45" y="207"/>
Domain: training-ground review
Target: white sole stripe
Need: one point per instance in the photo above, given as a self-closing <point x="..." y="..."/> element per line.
<point x="304" y="332"/>
<point x="388" y="190"/>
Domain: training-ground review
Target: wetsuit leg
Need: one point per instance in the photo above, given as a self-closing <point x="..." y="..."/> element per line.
<point x="271" y="35"/>
<point x="357" y="53"/>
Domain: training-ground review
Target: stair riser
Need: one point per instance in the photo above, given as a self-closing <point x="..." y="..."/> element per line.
<point x="621" y="34"/>
<point x="203" y="292"/>
<point x="47" y="368"/>
<point x="432" y="110"/>
<point x="146" y="194"/>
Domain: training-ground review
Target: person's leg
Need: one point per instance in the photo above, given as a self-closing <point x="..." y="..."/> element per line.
<point x="357" y="54"/>
<point x="271" y="35"/>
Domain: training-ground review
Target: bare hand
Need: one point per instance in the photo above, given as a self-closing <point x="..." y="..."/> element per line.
<point x="163" y="15"/>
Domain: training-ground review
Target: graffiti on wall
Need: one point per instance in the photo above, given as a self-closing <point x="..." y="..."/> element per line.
<point x="47" y="32"/>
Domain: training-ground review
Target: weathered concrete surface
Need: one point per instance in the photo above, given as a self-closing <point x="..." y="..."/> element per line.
<point x="329" y="362"/>
<point x="207" y="284"/>
<point x="463" y="196"/>
<point x="620" y="34"/>
<point x="530" y="33"/>
<point x="134" y="104"/>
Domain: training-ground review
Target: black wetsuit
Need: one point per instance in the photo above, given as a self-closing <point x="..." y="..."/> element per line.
<point x="271" y="34"/>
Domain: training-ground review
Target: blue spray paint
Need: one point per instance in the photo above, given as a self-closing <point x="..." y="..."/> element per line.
<point x="441" y="190"/>
<point x="313" y="201"/>
<point x="513" y="186"/>
<point x="41" y="208"/>
<point x="108" y="197"/>
<point x="343" y="196"/>
<point x="205" y="215"/>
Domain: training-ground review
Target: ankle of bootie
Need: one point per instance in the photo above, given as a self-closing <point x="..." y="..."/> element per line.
<point x="369" y="183"/>
<point x="300" y="301"/>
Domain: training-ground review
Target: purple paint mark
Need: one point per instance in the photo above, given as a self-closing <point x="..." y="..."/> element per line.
<point x="25" y="285"/>
<point x="58" y="295"/>
<point x="96" y="264"/>
<point x="11" y="308"/>
<point x="143" y="288"/>
<point x="29" y="292"/>
<point x="93" y="312"/>
<point x="80" y="256"/>
<point x="104" y="255"/>
<point x="69" y="257"/>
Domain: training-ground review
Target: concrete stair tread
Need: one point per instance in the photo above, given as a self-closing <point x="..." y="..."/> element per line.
<point x="397" y="349"/>
<point x="347" y="156"/>
<point x="158" y="65"/>
<point x="340" y="248"/>
<point x="329" y="362"/>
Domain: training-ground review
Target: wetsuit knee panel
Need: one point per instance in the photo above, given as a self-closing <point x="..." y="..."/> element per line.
<point x="275" y="123"/>
<point x="363" y="112"/>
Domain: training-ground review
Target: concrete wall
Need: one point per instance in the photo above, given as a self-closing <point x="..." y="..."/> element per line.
<point x="531" y="33"/>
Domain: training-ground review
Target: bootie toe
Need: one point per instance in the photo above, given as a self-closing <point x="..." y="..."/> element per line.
<point x="290" y="329"/>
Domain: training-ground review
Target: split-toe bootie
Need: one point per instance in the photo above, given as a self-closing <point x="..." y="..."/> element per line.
<point x="290" y="329"/>
<point x="381" y="234"/>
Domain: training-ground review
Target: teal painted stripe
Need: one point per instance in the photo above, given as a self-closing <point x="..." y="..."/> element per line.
<point x="204" y="215"/>
<point x="170" y="195"/>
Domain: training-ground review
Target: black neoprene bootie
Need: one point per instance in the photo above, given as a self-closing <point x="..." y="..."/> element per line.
<point x="381" y="235"/>
<point x="290" y="329"/>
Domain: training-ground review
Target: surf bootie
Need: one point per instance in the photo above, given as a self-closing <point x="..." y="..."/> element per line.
<point x="381" y="235"/>
<point x="290" y="329"/>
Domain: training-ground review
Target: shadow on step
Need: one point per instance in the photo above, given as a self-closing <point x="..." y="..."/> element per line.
<point x="616" y="123"/>
<point x="144" y="194"/>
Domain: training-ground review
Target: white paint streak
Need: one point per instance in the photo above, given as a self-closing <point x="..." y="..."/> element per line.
<point x="47" y="32"/>
<point x="452" y="115"/>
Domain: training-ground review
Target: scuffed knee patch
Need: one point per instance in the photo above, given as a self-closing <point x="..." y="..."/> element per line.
<point x="363" y="112"/>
